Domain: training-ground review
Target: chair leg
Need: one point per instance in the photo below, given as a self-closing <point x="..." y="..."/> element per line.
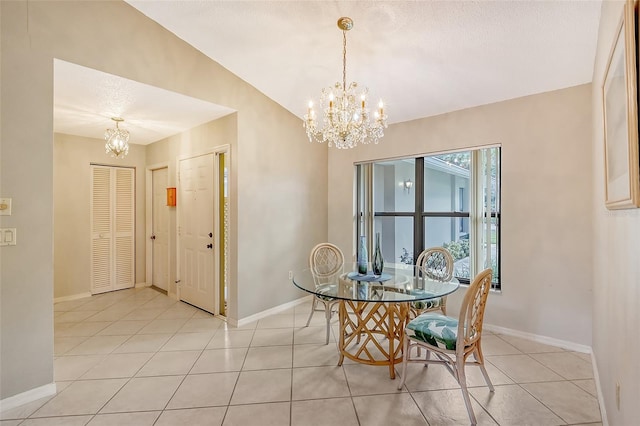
<point x="327" y="314"/>
<point x="313" y="308"/>
<point x="462" y="379"/>
<point x="480" y="360"/>
<point x="405" y="361"/>
<point x="427" y="358"/>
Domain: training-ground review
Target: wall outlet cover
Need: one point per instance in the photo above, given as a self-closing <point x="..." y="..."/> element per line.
<point x="7" y="236"/>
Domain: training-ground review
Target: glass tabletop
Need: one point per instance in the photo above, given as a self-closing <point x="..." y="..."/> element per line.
<point x="397" y="283"/>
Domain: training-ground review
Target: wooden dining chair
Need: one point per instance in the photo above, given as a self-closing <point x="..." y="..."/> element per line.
<point x="452" y="340"/>
<point x="326" y="262"/>
<point x="435" y="263"/>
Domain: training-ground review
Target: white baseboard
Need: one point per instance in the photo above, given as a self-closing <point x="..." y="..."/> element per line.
<point x="26" y="397"/>
<point x="72" y="297"/>
<point x="141" y="285"/>
<point x="576" y="347"/>
<point x="266" y="313"/>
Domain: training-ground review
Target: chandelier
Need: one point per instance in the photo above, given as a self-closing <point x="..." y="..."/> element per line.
<point x="345" y="118"/>
<point x="117" y="140"/>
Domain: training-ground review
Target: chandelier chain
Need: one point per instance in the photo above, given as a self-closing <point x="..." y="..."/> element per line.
<point x="344" y="60"/>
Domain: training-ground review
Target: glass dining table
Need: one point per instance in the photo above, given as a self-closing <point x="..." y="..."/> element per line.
<point x="374" y="309"/>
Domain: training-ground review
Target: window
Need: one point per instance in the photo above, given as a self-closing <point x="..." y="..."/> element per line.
<point x="450" y="200"/>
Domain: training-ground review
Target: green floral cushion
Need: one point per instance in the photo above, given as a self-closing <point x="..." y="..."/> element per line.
<point x="427" y="304"/>
<point x="434" y="329"/>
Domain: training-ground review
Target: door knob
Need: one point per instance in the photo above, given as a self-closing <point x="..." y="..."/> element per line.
<point x="153" y="237"/>
<point x="210" y="235"/>
<point x="209" y="246"/>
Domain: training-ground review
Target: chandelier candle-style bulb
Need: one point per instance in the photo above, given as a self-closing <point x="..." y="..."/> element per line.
<point x="345" y="122"/>
<point x="117" y="140"/>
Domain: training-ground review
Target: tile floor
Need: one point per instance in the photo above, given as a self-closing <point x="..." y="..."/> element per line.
<point x="137" y="357"/>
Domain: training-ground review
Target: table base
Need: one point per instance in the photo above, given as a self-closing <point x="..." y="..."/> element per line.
<point x="361" y="330"/>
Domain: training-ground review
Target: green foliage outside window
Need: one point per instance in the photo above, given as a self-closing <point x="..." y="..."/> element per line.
<point x="458" y="249"/>
<point x="406" y="257"/>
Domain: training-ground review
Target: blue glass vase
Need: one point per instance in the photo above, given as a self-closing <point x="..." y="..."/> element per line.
<point x="377" y="262"/>
<point x="363" y="256"/>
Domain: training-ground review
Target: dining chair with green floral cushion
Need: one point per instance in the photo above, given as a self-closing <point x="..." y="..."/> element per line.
<point x="435" y="263"/>
<point x="326" y="262"/>
<point x="452" y="340"/>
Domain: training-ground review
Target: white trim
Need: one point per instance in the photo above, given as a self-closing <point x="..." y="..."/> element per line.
<point x="429" y="154"/>
<point x="142" y="285"/>
<point x="149" y="220"/>
<point x="267" y="312"/>
<point x="26" y="397"/>
<point x="72" y="297"/>
<point x="214" y="151"/>
<point x="596" y="378"/>
<point x="576" y="347"/>
<point x="217" y="197"/>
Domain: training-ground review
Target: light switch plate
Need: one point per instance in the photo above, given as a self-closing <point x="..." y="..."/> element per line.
<point x="5" y="206"/>
<point x="7" y="236"/>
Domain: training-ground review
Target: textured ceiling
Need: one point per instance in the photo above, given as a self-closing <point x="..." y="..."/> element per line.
<point x="422" y="57"/>
<point x="85" y="100"/>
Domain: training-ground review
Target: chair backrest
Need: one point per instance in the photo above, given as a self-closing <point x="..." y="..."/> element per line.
<point x="472" y="309"/>
<point x="436" y="263"/>
<point x="326" y="262"/>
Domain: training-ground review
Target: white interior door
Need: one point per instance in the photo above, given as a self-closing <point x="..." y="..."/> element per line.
<point x="196" y="225"/>
<point x="160" y="229"/>
<point x="112" y="228"/>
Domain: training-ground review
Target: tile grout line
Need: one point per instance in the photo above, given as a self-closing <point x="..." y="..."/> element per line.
<point x="76" y="380"/>
<point x="293" y="347"/>
<point x="104" y="356"/>
<point x="235" y="385"/>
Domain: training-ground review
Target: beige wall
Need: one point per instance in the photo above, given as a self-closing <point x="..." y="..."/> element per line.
<point x="72" y="157"/>
<point x="616" y="298"/>
<point x="281" y="180"/>
<point x="26" y="272"/>
<point x="546" y="200"/>
<point x="197" y="141"/>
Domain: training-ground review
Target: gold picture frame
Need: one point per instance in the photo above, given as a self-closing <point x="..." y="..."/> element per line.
<point x="620" y="106"/>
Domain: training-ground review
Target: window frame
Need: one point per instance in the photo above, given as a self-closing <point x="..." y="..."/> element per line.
<point x="366" y="214"/>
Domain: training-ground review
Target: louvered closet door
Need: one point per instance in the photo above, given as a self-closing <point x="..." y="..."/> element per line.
<point x="112" y="228"/>
<point x="124" y="254"/>
<point x="101" y="229"/>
